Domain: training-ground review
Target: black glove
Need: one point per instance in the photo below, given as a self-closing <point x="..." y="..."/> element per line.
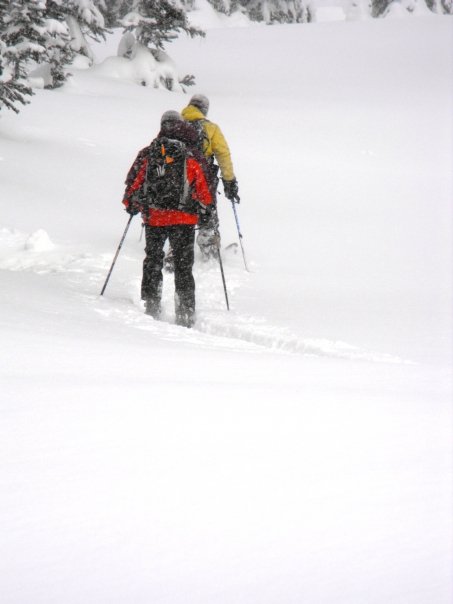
<point x="231" y="189"/>
<point x="132" y="207"/>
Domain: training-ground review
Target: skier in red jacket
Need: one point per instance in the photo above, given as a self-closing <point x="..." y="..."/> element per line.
<point x="167" y="184"/>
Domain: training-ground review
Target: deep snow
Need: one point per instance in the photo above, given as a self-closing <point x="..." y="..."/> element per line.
<point x="296" y="449"/>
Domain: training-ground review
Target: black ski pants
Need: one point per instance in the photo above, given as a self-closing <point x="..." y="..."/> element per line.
<point x="182" y="239"/>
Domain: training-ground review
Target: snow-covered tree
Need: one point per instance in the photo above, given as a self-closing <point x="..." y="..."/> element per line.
<point x="59" y="50"/>
<point x="40" y="38"/>
<point x="441" y="6"/>
<point x="35" y="33"/>
<point x="156" y="22"/>
<point x="149" y="25"/>
<point x="276" y="11"/>
<point x="22" y="33"/>
<point x="111" y="10"/>
<point x="84" y="20"/>
<point x="302" y="11"/>
<point x="222" y="6"/>
<point x="13" y="88"/>
<point x="268" y="11"/>
<point x="378" y="7"/>
<point x="384" y="8"/>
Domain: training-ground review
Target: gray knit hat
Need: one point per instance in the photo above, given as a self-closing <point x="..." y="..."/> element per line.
<point x="170" y="116"/>
<point x="201" y="102"/>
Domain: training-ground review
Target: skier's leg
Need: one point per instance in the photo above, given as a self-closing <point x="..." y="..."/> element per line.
<point x="182" y="238"/>
<point x="152" y="269"/>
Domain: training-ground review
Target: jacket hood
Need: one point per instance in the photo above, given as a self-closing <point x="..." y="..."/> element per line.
<point x="191" y="113"/>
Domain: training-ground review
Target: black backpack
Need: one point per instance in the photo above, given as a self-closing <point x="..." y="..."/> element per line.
<point x="210" y="168"/>
<point x="166" y="184"/>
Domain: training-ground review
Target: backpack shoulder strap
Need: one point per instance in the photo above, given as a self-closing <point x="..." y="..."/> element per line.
<point x="203" y="139"/>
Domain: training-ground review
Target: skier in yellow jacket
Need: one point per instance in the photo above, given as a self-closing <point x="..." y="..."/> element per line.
<point x="215" y="148"/>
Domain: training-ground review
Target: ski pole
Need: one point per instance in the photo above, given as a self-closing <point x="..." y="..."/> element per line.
<point x="233" y="203"/>
<point x="217" y="236"/>
<point x="117" y="253"/>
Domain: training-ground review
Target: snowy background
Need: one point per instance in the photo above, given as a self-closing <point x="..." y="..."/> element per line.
<point x="296" y="449"/>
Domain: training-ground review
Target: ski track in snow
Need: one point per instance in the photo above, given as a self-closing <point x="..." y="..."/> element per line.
<point x="85" y="271"/>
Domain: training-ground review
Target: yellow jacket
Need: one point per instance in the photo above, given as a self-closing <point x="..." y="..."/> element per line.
<point x="215" y="144"/>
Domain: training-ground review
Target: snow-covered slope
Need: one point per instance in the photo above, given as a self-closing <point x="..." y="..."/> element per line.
<point x="297" y="448"/>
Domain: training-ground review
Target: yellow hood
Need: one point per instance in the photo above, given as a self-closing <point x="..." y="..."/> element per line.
<point x="191" y="113"/>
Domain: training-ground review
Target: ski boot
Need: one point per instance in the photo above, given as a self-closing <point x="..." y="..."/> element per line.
<point x="152" y="308"/>
<point x="184" y="311"/>
<point x="208" y="241"/>
<point x="185" y="318"/>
